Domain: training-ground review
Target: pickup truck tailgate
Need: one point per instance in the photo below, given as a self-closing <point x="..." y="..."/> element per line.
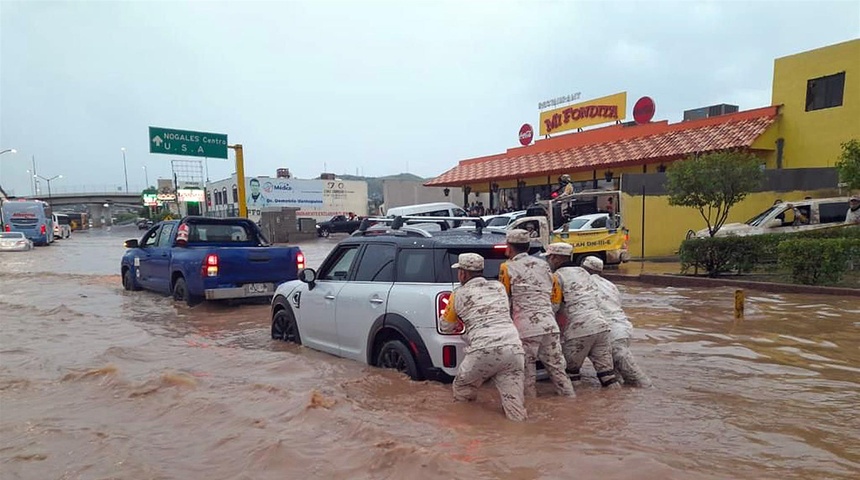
<point x="241" y="265"/>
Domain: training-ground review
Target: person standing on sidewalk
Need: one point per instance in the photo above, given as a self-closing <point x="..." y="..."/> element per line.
<point x="494" y="350"/>
<point x="620" y="328"/>
<point x="586" y="333"/>
<point x="529" y="283"/>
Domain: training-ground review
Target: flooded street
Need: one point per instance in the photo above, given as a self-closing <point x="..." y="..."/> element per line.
<point x="96" y="383"/>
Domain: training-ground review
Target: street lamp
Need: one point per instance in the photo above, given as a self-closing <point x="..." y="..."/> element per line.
<point x="124" y="169"/>
<point x="8" y="150"/>
<point x="146" y="174"/>
<point x="49" y="180"/>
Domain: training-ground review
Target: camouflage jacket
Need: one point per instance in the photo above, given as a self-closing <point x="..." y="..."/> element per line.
<point x="482" y="306"/>
<point x="610" y="304"/>
<point x="580" y="302"/>
<point x="530" y="284"/>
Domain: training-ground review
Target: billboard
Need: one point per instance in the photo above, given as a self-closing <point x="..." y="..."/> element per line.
<point x="275" y="193"/>
<point x="585" y="114"/>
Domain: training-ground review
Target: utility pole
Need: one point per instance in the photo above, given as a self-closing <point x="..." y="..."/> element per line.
<point x="124" y="169"/>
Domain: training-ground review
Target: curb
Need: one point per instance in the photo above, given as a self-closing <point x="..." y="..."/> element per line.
<point x="688" y="281"/>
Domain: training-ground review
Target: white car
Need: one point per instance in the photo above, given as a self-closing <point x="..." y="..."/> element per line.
<point x="592" y="221"/>
<point x="788" y="217"/>
<point x="502" y="220"/>
<point x="378" y="296"/>
<point x="15" y="242"/>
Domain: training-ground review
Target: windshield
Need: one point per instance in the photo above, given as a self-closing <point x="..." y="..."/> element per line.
<point x="23" y="213"/>
<point x="498" y="222"/>
<point x="758" y="219"/>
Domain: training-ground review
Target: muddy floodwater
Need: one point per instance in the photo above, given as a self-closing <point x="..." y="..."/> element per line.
<point x="98" y="383"/>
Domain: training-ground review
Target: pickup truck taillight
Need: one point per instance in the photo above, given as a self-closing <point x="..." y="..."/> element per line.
<point x="210" y="266"/>
<point x="442" y="301"/>
<point x="300" y="260"/>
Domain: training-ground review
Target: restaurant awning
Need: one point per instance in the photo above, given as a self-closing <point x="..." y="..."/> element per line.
<point x="614" y="146"/>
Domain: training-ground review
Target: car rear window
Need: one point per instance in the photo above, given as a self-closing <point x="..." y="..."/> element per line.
<point x="493" y="258"/>
<point x="415" y="266"/>
<point x="218" y="233"/>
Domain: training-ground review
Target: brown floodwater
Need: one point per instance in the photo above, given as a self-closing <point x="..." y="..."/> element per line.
<point x="98" y="383"/>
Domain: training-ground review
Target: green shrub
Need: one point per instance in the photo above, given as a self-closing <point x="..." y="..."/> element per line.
<point x="720" y="255"/>
<point x="819" y="261"/>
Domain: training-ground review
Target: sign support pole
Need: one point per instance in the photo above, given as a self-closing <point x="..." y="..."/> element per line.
<point x="240" y="179"/>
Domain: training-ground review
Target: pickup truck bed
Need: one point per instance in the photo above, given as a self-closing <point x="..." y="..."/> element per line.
<point x="201" y="258"/>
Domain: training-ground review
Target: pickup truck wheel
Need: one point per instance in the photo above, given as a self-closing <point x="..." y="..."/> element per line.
<point x="128" y="281"/>
<point x="395" y="354"/>
<point x="285" y="328"/>
<point x="324" y="232"/>
<point x="180" y="293"/>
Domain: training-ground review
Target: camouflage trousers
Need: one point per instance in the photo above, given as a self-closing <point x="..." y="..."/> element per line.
<point x="596" y="348"/>
<point x="547" y="349"/>
<point x="503" y="364"/>
<point x="626" y="368"/>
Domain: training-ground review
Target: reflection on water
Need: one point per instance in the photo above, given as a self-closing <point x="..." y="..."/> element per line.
<point x="96" y="383"/>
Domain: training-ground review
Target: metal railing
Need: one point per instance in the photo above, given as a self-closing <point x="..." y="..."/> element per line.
<point x="58" y="190"/>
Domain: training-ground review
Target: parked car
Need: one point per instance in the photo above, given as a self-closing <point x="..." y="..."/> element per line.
<point x="378" y="296"/>
<point x="145" y="224"/>
<point x="15" y="242"/>
<point x="437" y="209"/>
<point x="199" y="258"/>
<point x="502" y="220"/>
<point x="337" y="224"/>
<point x="588" y="222"/>
<point x="788" y="217"/>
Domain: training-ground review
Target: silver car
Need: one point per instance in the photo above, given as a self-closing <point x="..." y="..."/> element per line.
<point x="14" y="242"/>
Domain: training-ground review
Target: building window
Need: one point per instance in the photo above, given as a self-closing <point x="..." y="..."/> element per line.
<point x="825" y="92"/>
<point x="224" y="195"/>
<point x="217" y="198"/>
<point x="235" y="194"/>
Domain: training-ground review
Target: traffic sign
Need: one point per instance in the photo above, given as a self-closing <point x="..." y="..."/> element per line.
<point x="188" y="143"/>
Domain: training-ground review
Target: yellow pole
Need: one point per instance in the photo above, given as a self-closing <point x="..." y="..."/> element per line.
<point x="240" y="180"/>
<point x="739" y="304"/>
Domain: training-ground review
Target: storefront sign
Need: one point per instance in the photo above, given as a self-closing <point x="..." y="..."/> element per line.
<point x="586" y="114"/>
<point x="559" y="100"/>
<point x="526" y="134"/>
<point x="643" y="110"/>
<point x="165" y="197"/>
<point x="191" y="195"/>
<point x="150" y="200"/>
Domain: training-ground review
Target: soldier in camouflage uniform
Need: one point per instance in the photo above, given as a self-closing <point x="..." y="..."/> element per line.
<point x="585" y="333"/>
<point x="620" y="327"/>
<point x="529" y="282"/>
<point x="494" y="351"/>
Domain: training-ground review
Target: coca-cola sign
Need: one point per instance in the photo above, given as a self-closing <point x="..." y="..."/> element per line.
<point x="526" y="134"/>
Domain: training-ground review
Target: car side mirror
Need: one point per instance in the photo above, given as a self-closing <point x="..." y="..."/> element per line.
<point x="775" y="223"/>
<point x="130" y="243"/>
<point x="309" y="276"/>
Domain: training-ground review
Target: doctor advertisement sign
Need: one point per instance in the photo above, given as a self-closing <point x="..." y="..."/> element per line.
<point x="282" y="192"/>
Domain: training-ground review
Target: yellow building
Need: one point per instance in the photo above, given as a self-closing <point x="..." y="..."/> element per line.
<point x="819" y="91"/>
<point x="815" y="108"/>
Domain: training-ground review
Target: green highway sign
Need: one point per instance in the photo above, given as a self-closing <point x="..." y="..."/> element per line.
<point x="188" y="143"/>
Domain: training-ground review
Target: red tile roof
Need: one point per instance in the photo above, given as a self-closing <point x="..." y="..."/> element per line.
<point x="614" y="146"/>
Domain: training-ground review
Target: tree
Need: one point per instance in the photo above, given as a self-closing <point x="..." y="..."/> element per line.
<point x="849" y="164"/>
<point x="713" y="183"/>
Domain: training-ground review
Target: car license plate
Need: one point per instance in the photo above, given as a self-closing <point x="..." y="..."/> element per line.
<point x="258" y="287"/>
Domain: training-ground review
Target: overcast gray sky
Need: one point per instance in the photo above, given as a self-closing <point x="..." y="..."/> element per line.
<point x="375" y="86"/>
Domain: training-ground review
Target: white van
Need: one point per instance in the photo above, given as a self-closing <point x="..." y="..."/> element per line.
<point x="438" y="209"/>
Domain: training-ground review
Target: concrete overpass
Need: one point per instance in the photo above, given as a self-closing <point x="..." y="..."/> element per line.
<point x="94" y="201"/>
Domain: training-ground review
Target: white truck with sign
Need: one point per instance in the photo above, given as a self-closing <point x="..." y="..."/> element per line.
<point x="608" y="243"/>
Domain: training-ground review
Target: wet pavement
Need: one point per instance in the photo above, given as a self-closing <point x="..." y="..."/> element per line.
<point x="96" y="382"/>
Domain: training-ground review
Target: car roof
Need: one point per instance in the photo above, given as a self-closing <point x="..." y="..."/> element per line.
<point x="454" y="238"/>
<point x="590" y="216"/>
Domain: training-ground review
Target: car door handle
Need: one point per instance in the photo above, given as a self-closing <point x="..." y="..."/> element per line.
<point x="164" y="255"/>
<point x="376" y="300"/>
<point x="329" y="297"/>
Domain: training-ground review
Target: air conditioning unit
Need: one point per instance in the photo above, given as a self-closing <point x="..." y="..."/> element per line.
<point x="712" y="111"/>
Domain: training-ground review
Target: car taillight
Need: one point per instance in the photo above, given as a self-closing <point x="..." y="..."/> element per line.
<point x="44" y="230"/>
<point x="442" y="301"/>
<point x="300" y="260"/>
<point x="500" y="247"/>
<point x="8" y="228"/>
<point x="449" y="356"/>
<point x="210" y="266"/>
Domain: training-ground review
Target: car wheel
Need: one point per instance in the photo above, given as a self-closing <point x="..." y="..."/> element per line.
<point x="181" y="294"/>
<point x="324" y="233"/>
<point x="285" y="328"/>
<point x="395" y="354"/>
<point x="128" y="281"/>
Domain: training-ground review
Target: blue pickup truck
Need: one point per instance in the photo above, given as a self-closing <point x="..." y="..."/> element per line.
<point x="199" y="258"/>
